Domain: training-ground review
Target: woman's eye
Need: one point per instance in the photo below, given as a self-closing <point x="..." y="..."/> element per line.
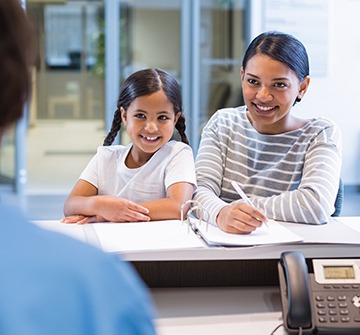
<point x="252" y="81"/>
<point x="280" y="85"/>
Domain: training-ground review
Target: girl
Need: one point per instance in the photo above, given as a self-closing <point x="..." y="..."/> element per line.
<point x="288" y="166"/>
<point x="148" y="179"/>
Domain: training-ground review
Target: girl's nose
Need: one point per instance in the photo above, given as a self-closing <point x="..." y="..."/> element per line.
<point x="151" y="126"/>
<point x="264" y="94"/>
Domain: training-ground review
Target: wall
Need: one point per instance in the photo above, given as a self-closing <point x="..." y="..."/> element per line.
<point x="335" y="93"/>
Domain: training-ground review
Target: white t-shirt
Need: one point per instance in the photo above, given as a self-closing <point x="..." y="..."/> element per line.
<point x="172" y="163"/>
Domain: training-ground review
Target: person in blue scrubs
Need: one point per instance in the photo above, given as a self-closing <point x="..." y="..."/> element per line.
<point x="51" y="283"/>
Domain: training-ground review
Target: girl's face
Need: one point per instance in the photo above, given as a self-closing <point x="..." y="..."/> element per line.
<point x="270" y="89"/>
<point x="150" y="121"/>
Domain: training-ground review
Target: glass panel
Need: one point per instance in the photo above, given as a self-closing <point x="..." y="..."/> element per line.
<point x="153" y="36"/>
<point x="222" y="47"/>
<point x="150" y="38"/>
<point x="66" y="122"/>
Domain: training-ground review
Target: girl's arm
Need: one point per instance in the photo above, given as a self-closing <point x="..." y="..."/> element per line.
<point x="169" y="208"/>
<point x="84" y="201"/>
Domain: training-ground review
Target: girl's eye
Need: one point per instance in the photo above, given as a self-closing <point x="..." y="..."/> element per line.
<point x="280" y="85"/>
<point x="139" y="116"/>
<point x="163" y="117"/>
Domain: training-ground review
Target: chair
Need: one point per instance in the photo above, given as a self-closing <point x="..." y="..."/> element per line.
<point x="339" y="200"/>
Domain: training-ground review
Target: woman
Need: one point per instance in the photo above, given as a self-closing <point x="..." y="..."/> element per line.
<point x="288" y="166"/>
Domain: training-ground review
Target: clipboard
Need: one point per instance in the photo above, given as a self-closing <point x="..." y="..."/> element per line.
<point x="197" y="219"/>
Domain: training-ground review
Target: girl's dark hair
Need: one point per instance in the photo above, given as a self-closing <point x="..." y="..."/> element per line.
<point x="282" y="47"/>
<point x="145" y="82"/>
<point x="16" y="56"/>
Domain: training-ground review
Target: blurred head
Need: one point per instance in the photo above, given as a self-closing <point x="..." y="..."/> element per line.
<point x="16" y="56"/>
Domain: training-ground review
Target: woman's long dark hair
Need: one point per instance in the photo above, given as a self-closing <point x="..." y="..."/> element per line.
<point x="145" y="82"/>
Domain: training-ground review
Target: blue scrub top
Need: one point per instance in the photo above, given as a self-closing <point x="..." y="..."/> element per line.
<point x="53" y="284"/>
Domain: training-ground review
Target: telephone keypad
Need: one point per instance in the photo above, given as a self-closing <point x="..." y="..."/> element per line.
<point x="335" y="308"/>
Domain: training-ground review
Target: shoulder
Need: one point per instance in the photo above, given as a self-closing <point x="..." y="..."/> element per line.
<point x="238" y="113"/>
<point x="228" y="117"/>
<point x="227" y="121"/>
<point x="112" y="150"/>
<point x="324" y="130"/>
<point x="174" y="147"/>
<point x="322" y="124"/>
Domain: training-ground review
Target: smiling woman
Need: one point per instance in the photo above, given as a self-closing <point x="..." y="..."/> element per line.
<point x="288" y="166"/>
<point x="150" y="178"/>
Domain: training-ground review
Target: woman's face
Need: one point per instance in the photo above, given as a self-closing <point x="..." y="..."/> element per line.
<point x="270" y="89"/>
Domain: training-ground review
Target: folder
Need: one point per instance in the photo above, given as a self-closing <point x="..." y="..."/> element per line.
<point x="275" y="233"/>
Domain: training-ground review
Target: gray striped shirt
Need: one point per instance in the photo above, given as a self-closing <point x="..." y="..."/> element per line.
<point x="291" y="177"/>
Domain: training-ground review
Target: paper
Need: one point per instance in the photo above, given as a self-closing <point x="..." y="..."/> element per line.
<point x="335" y="231"/>
<point x="274" y="234"/>
<point x="352" y="222"/>
<point x="141" y="236"/>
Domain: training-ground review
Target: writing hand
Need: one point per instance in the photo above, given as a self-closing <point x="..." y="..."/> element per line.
<point x="239" y="218"/>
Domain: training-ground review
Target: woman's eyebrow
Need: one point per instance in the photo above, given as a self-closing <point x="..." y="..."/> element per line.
<point x="273" y="79"/>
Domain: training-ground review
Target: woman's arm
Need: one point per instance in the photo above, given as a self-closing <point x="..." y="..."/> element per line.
<point x="313" y="201"/>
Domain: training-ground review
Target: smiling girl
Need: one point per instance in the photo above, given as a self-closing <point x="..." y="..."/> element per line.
<point x="288" y="166"/>
<point x="150" y="178"/>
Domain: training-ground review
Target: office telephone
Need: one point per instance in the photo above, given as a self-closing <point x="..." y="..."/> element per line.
<point x="324" y="300"/>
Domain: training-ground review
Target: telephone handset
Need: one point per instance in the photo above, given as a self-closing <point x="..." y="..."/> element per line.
<point x="325" y="301"/>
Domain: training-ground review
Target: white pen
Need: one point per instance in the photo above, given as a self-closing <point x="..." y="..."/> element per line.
<point x="242" y="194"/>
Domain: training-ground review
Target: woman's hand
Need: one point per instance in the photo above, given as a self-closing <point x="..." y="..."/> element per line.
<point x="239" y="218"/>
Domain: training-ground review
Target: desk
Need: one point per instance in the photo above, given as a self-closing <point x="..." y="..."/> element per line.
<point x="230" y="311"/>
<point x="218" y="266"/>
<point x="212" y="291"/>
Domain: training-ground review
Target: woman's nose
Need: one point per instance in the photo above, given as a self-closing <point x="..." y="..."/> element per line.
<point x="264" y="94"/>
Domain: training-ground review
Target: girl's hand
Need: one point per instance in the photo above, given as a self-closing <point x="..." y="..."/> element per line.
<point x="82" y="219"/>
<point x="239" y="218"/>
<point x="115" y="209"/>
<point x="72" y="219"/>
